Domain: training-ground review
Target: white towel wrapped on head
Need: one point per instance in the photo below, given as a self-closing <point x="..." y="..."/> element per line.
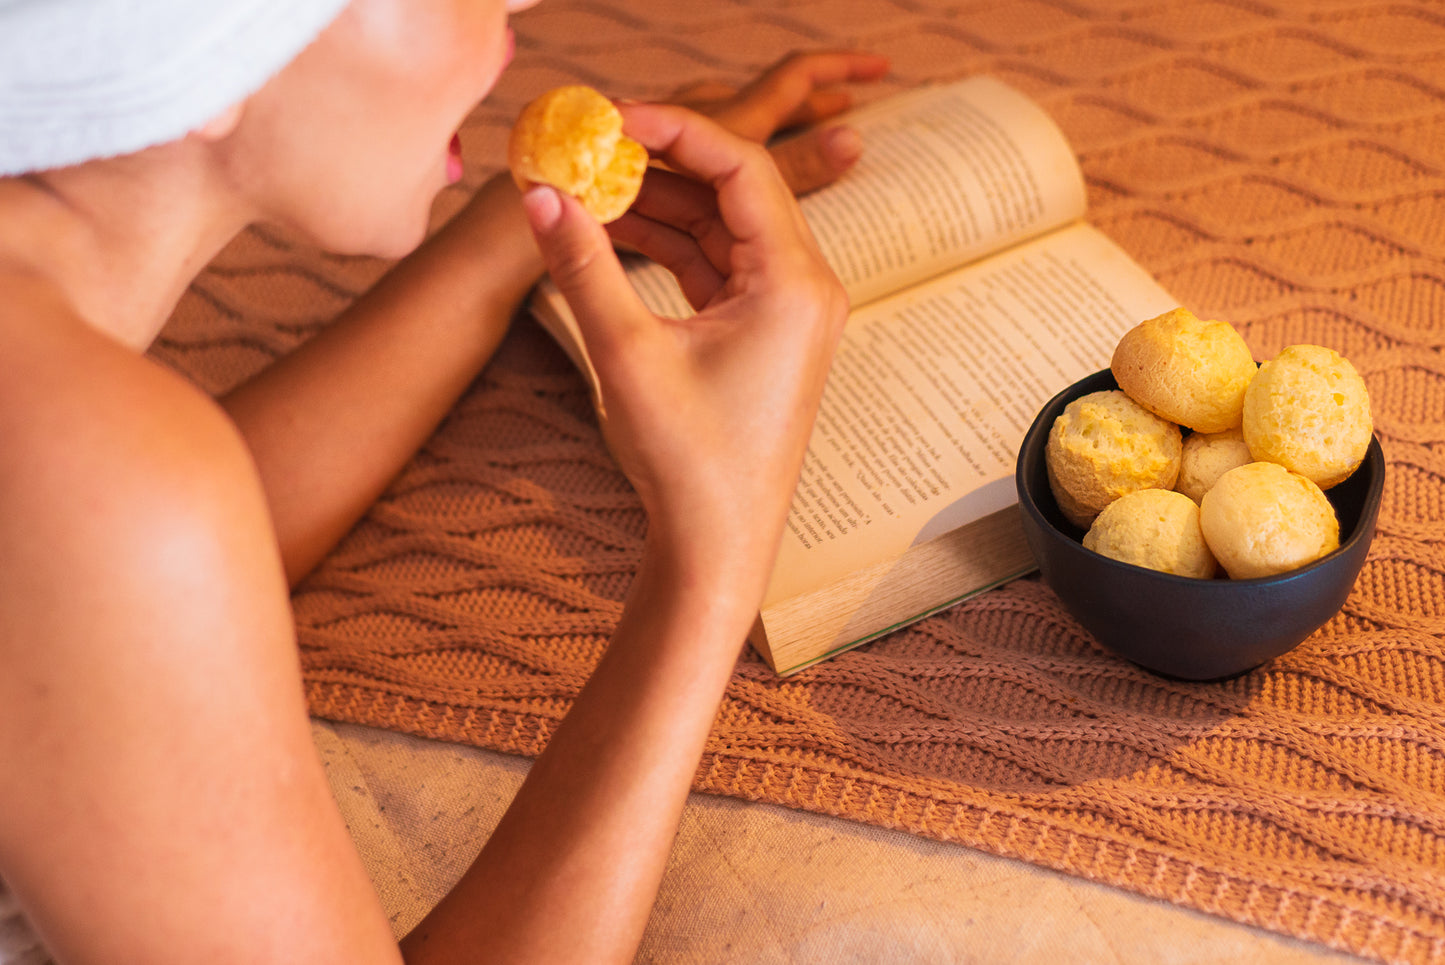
<point x="84" y="79"/>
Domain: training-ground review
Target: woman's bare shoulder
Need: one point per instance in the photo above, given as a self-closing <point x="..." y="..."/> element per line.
<point x="114" y="470"/>
<point x="121" y="484"/>
<point x="125" y="492"/>
<point x="74" y="397"/>
<point x="149" y="686"/>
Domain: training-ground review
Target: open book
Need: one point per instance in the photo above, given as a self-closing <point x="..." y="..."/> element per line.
<point x="977" y="293"/>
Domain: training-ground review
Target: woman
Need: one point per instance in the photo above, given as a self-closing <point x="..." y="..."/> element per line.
<point x="162" y="799"/>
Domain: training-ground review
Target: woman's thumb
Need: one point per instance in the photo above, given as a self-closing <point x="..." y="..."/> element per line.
<point x="581" y="261"/>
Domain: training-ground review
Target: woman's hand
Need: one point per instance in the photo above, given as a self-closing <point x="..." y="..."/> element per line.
<point x="800" y="89"/>
<point x="708" y="416"/>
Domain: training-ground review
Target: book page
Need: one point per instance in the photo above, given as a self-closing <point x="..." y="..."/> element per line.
<point x="932" y="390"/>
<point x="948" y="174"/>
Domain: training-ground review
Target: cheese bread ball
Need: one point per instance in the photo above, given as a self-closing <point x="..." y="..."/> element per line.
<point x="1308" y="410"/>
<point x="1262" y="519"/>
<point x="1154" y="528"/>
<point x="1104" y="445"/>
<point x="1206" y="457"/>
<point x="1185" y="370"/>
<point x="571" y="138"/>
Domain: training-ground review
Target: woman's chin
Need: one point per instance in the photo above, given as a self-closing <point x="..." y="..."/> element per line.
<point x="364" y="220"/>
<point x="403" y="240"/>
<point x="390" y="238"/>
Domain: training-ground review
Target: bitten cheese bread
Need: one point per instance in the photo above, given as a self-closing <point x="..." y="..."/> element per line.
<point x="571" y="138"/>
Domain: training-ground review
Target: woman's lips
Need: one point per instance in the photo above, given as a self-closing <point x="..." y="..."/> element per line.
<point x="454" y="160"/>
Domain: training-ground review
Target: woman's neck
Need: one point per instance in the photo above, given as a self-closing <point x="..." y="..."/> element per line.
<point x="121" y="239"/>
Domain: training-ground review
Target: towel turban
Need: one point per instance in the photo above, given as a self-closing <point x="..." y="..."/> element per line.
<point x="85" y="79"/>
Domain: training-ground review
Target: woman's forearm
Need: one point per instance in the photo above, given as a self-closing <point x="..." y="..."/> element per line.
<point x="571" y="872"/>
<point x="332" y="423"/>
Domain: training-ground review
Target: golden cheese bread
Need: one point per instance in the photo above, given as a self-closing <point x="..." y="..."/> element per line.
<point x="1185" y="370"/>
<point x="1261" y="519"/>
<point x="1153" y="528"/>
<point x="1308" y="410"/>
<point x="1206" y="457"/>
<point x="571" y="138"/>
<point x="1104" y="445"/>
<point x="1266" y="441"/>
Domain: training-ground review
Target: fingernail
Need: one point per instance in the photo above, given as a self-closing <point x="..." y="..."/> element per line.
<point x="845" y="144"/>
<point x="543" y="207"/>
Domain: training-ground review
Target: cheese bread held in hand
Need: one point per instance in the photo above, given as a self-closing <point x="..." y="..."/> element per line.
<point x="571" y="138"/>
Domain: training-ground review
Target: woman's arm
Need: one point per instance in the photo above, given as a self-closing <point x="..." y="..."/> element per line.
<point x="709" y="418"/>
<point x="332" y="423"/>
<point x="162" y="800"/>
<point x="168" y="804"/>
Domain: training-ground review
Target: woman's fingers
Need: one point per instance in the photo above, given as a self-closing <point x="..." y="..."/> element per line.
<point x="800" y="89"/>
<point x="581" y="262"/>
<point x="795" y="91"/>
<point x="817" y="158"/>
<point x="677" y="201"/>
<point x="675" y="222"/>
<point x="734" y="229"/>
<point x="677" y="251"/>
<point x="703" y="96"/>
<point x="753" y="200"/>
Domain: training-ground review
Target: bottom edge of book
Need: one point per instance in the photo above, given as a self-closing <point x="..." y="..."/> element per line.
<point x="898" y="625"/>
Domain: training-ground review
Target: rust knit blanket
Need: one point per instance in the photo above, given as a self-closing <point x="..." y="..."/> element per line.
<point x="1280" y="165"/>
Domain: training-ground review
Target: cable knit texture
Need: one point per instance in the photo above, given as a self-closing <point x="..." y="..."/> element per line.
<point x="1280" y="165"/>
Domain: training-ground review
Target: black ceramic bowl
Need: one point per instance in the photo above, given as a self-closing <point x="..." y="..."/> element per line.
<point x="1174" y="625"/>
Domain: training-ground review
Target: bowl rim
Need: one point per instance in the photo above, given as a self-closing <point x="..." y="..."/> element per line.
<point x="1374" y="456"/>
